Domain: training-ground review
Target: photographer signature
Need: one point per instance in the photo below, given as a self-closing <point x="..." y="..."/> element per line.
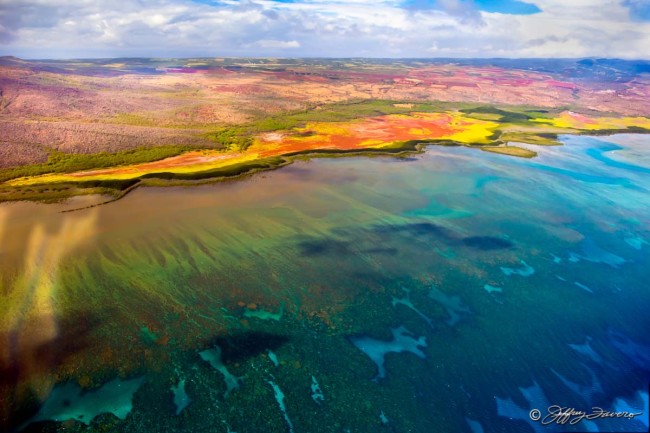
<point x="568" y="415"/>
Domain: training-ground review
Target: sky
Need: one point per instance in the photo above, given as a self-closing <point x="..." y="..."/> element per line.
<point x="325" y="28"/>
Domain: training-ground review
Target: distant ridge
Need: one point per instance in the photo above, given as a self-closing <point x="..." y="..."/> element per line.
<point x="579" y="69"/>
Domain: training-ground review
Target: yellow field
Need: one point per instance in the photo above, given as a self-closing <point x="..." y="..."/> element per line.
<point x="573" y="120"/>
<point x="367" y="133"/>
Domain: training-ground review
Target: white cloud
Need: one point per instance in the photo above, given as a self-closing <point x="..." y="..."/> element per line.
<point x="270" y="43"/>
<point x="335" y="28"/>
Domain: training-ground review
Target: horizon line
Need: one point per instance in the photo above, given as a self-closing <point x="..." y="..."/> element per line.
<point x="325" y="58"/>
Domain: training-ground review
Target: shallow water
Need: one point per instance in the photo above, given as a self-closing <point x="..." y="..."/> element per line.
<point x="348" y="294"/>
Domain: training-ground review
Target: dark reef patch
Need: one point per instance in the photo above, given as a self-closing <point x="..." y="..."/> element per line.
<point x="246" y="345"/>
<point x="314" y="247"/>
<point x="425" y="229"/>
<point x="487" y="243"/>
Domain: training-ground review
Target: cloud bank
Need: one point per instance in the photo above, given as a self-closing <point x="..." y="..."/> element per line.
<point x="324" y="28"/>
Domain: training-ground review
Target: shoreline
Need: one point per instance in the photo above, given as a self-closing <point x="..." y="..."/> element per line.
<point x="244" y="170"/>
<point x="384" y="133"/>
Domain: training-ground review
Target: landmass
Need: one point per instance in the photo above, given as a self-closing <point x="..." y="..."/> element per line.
<point x="108" y="126"/>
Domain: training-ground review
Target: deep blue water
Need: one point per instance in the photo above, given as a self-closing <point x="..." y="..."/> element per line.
<point x="453" y="291"/>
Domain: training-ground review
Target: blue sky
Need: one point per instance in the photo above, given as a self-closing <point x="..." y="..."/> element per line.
<point x="514" y="7"/>
<point x="508" y="7"/>
<point x="325" y="28"/>
<point x="639" y="9"/>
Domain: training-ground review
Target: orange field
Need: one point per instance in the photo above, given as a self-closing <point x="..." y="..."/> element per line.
<point x="369" y="133"/>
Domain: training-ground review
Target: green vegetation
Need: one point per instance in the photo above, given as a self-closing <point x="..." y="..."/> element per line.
<point x="54" y="192"/>
<point x="510" y="150"/>
<point x="49" y="193"/>
<point x="368" y="108"/>
<point x="511" y="115"/>
<point x="133" y="119"/>
<point x="59" y="162"/>
<point x="399" y="148"/>
<point x="232" y="138"/>
<point x="514" y="120"/>
<point x="240" y="137"/>
<point x="111" y="184"/>
<point x="228" y="171"/>
<point x="541" y="114"/>
<point x="544" y="139"/>
<point x="628" y="130"/>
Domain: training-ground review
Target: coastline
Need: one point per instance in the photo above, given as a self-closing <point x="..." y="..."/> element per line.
<point x="494" y="136"/>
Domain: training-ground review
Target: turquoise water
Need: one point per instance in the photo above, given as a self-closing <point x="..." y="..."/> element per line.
<point x="452" y="291"/>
